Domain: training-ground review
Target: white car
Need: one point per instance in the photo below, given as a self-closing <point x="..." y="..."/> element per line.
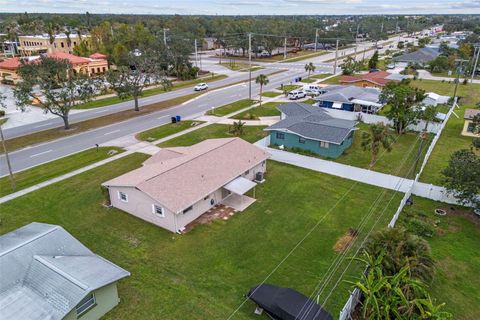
<point x="296" y="94"/>
<point x="201" y="86"/>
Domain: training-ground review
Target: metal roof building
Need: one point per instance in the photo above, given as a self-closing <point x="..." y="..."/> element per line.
<point x="46" y="273"/>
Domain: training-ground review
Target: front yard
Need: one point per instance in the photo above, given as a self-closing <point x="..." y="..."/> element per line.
<point x="251" y="134"/>
<point x="166" y="130"/>
<point x="205" y="273"/>
<point x="454" y="244"/>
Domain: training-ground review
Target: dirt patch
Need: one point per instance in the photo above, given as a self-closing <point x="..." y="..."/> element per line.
<point x="219" y="211"/>
<point x="342" y="243"/>
<point x="466" y="213"/>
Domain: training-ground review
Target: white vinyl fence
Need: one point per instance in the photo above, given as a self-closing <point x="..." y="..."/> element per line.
<point x="417" y="188"/>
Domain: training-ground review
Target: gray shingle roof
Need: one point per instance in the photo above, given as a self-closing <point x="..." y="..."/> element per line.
<point x="345" y="94"/>
<point x="46" y="272"/>
<point x="423" y="55"/>
<point x="312" y="123"/>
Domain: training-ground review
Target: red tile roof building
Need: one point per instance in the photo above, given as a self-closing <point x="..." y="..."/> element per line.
<point x="91" y="66"/>
<point x="372" y="79"/>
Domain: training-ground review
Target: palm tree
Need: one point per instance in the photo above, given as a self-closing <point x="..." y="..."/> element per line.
<point x="69" y="41"/>
<point x="52" y="31"/>
<point x="379" y="136"/>
<point x="237" y="128"/>
<point x="310" y="67"/>
<point x="262" y="80"/>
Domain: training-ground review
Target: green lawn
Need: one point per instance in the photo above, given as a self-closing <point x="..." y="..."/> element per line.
<point x="205" y="273"/>
<point x="251" y="134"/>
<point x="166" y="130"/>
<point x="309" y="80"/>
<point x="321" y="76"/>
<point x="232" y="107"/>
<point x="455" y="250"/>
<point x="388" y="162"/>
<point x="30" y="177"/>
<point x="333" y="80"/>
<point x="271" y="94"/>
<point x="451" y="138"/>
<point x="268" y="109"/>
<point x="149" y="92"/>
<point x="289" y="87"/>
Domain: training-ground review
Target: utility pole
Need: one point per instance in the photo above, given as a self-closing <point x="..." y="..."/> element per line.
<point x="196" y="54"/>
<point x="356" y="43"/>
<point x="459" y="70"/>
<point x="285" y="48"/>
<point x="475" y="59"/>
<point x="10" y="173"/>
<point x="316" y="38"/>
<point x="336" y="59"/>
<point x="250" y="66"/>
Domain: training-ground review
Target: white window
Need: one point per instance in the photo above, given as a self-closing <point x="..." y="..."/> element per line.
<point x="324" y="144"/>
<point x="122" y="196"/>
<point x="158" y="210"/>
<point x="86" y="304"/>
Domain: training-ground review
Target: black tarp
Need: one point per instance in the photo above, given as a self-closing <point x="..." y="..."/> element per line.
<point x="286" y="304"/>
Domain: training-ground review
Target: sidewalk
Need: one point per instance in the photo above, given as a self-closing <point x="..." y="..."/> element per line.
<point x="424" y="74"/>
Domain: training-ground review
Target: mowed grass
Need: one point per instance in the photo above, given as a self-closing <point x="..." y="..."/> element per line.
<point x="451" y="139"/>
<point x="251" y="134"/>
<point x="289" y="87"/>
<point x="268" y="109"/>
<point x="205" y="273"/>
<point x="321" y="76"/>
<point x="399" y="161"/>
<point x="455" y="250"/>
<point x="271" y="94"/>
<point x="44" y="172"/>
<point x="231" y="107"/>
<point x="149" y="92"/>
<point x="166" y="130"/>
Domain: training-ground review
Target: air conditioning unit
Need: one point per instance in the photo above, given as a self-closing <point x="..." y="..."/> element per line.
<point x="259" y="177"/>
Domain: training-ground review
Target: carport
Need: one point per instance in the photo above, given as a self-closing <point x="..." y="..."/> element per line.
<point x="237" y="199"/>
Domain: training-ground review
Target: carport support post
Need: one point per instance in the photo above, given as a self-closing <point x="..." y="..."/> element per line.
<point x="336" y="58"/>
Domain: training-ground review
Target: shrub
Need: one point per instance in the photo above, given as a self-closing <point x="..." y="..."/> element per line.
<point x="420" y="228"/>
<point x="2" y="113"/>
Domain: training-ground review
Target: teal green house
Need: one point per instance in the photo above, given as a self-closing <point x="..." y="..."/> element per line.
<point x="311" y="129"/>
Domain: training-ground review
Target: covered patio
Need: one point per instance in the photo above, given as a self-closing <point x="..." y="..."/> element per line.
<point x="237" y="198"/>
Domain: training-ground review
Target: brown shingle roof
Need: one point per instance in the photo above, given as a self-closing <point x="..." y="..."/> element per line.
<point x="179" y="177"/>
<point x="470" y="113"/>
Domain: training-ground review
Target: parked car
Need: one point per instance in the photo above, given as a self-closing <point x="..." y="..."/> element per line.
<point x="296" y="94"/>
<point x="201" y="86"/>
<point x="312" y="89"/>
<point x="391" y="66"/>
<point x="264" y="53"/>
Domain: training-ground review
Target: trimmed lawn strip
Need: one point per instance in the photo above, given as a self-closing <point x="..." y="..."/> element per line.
<point x="231" y="107"/>
<point x="451" y="139"/>
<point x="166" y="130"/>
<point x="44" y="172"/>
<point x="268" y="109"/>
<point x="333" y="80"/>
<point x="289" y="87"/>
<point x="321" y="76"/>
<point x="169" y="278"/>
<point x="79" y="127"/>
<point x="271" y="94"/>
<point x="307" y="55"/>
<point x="148" y="92"/>
<point x="251" y="134"/>
<point x="454" y="247"/>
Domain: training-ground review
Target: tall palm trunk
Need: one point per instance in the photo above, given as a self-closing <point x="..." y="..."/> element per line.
<point x="7" y="158"/>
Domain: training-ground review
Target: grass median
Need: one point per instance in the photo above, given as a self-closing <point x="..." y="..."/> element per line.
<point x="166" y="130"/>
<point x="79" y="127"/>
<point x="44" y="172"/>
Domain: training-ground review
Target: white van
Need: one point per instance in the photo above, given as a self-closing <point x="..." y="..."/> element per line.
<point x="312" y="89"/>
<point x="296" y="94"/>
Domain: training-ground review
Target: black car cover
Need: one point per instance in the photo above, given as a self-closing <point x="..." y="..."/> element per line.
<point x="286" y="304"/>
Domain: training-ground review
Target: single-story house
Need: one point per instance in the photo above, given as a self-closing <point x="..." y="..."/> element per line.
<point x="177" y="185"/>
<point x="422" y="56"/>
<point x="372" y="79"/>
<point x="350" y="98"/>
<point x="210" y="43"/>
<point x="469" y="128"/>
<point x="311" y="129"/>
<point x="94" y="64"/>
<point x="48" y="274"/>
